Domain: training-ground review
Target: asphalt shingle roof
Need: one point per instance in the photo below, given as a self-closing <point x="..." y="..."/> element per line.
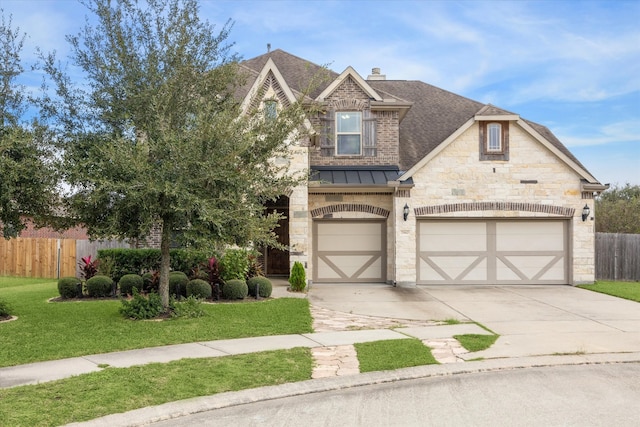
<point x="434" y="115"/>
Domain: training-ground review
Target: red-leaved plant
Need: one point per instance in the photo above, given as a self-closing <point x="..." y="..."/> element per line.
<point x="88" y="268"/>
<point x="214" y="277"/>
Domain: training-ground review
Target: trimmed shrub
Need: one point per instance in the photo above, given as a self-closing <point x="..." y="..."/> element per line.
<point x="140" y="307"/>
<point x="99" y="286"/>
<point x="298" y="279"/>
<point x="260" y="284"/>
<point x="199" y="288"/>
<point x="4" y="309"/>
<point x="130" y="281"/>
<point x="70" y="287"/>
<point x="178" y="284"/>
<point x="235" y="289"/>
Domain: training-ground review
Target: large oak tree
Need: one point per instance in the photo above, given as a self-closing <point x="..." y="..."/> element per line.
<point x="154" y="134"/>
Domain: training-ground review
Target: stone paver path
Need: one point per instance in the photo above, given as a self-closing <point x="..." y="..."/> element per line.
<point x="342" y="360"/>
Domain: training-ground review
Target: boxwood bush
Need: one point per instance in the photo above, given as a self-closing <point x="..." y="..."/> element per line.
<point x="128" y="282"/>
<point x="262" y="285"/>
<point x="199" y="288"/>
<point x="99" y="286"/>
<point x="235" y="289"/>
<point x="70" y="287"/>
<point x="178" y="284"/>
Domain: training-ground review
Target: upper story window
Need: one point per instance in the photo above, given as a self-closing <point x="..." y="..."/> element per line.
<point x="494" y="140"/>
<point x="348" y="133"/>
<point x="270" y="109"/>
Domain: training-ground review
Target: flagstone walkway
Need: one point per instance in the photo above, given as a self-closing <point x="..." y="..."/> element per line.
<point x="342" y="360"/>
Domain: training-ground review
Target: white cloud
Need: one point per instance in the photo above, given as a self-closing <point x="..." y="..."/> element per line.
<point x="618" y="132"/>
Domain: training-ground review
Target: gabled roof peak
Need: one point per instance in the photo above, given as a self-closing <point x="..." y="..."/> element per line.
<point x="492" y="110"/>
<point x="349" y="72"/>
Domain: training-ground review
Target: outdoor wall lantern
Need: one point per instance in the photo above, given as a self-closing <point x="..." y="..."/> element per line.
<point x="405" y="211"/>
<point x="585" y="212"/>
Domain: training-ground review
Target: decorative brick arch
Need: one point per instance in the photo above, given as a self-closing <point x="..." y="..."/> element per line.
<point x="494" y="206"/>
<point x="350" y="207"/>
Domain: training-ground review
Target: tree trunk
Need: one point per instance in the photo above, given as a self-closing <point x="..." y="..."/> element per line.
<point x="165" y="263"/>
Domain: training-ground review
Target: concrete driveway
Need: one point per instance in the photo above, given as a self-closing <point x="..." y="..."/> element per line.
<point x="531" y="320"/>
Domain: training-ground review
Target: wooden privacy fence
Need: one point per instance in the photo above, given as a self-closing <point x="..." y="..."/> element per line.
<point x="50" y="258"/>
<point x="617" y="256"/>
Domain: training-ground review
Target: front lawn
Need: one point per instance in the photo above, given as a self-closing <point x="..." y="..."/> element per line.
<point x="627" y="290"/>
<point x="116" y="390"/>
<point x="56" y="330"/>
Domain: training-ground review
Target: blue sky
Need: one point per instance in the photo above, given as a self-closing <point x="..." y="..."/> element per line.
<point x="573" y="66"/>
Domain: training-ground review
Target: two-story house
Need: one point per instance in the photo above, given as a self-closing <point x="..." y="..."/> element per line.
<point x="411" y="184"/>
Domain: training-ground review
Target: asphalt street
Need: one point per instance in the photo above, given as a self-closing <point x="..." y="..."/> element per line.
<point x="584" y="395"/>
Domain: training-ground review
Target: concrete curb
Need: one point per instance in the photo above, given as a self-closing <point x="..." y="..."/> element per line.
<point x="173" y="410"/>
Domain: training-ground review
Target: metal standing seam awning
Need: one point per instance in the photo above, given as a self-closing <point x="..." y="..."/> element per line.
<point x="357" y="176"/>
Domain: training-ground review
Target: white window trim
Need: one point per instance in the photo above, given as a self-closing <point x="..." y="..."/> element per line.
<point x="337" y="133"/>
<point x="490" y="128"/>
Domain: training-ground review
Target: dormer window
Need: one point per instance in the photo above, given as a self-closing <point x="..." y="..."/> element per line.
<point x="494" y="140"/>
<point x="494" y="137"/>
<point x="348" y="133"/>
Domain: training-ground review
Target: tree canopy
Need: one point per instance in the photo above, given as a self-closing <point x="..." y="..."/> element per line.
<point x="155" y="134"/>
<point x="27" y="177"/>
<point x="618" y="210"/>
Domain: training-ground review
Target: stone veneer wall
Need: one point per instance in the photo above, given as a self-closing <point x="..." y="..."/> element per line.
<point x="532" y="177"/>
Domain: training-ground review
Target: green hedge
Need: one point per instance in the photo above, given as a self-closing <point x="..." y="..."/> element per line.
<point x="140" y="261"/>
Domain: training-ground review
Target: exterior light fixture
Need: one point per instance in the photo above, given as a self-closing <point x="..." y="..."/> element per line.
<point x="405" y="211"/>
<point x="585" y="212"/>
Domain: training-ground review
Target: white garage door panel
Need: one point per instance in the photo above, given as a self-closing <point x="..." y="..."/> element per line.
<point x="352" y="237"/>
<point x="493" y="252"/>
<point x="534" y="235"/>
<point x="447" y="236"/>
<point x="349" y="251"/>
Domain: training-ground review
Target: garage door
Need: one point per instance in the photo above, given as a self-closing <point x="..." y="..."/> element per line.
<point x="493" y="252"/>
<point x="348" y="251"/>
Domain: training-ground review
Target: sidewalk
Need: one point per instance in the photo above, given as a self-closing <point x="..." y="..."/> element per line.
<point x="35" y="373"/>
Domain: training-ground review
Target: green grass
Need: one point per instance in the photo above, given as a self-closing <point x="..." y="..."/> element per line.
<point x="476" y="342"/>
<point x="116" y="390"/>
<point x="393" y="354"/>
<point x="626" y="290"/>
<point x="48" y="331"/>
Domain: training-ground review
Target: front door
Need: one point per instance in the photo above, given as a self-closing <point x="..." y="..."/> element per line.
<point x="276" y="261"/>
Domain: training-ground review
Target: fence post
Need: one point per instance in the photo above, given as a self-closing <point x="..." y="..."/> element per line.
<point x="58" y="263"/>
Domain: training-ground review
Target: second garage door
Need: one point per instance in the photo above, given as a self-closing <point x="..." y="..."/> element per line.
<point x="348" y="251"/>
<point x="493" y="252"/>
